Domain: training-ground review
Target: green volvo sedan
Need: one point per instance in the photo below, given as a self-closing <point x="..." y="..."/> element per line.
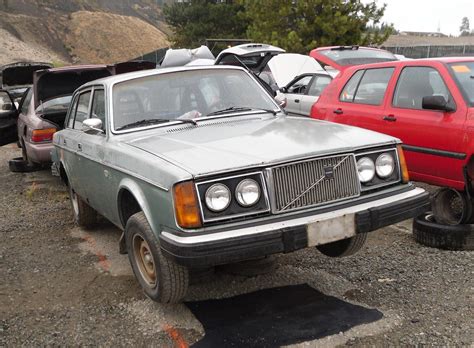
<point x="199" y="166"/>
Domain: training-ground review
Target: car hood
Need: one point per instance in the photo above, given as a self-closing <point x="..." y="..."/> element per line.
<point x="21" y="73"/>
<point x="286" y="66"/>
<point x="223" y="145"/>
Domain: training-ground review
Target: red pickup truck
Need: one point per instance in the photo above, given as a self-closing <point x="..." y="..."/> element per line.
<point x="429" y="105"/>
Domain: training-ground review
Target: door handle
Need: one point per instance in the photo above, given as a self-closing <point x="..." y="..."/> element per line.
<point x="79" y="147"/>
<point x="338" y="111"/>
<point x="297" y="100"/>
<point x="64" y="142"/>
<point x="390" y="118"/>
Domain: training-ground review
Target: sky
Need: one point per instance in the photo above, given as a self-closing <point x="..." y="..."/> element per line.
<point x="427" y="15"/>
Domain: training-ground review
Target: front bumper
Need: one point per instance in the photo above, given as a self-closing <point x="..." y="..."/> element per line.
<point x="293" y="234"/>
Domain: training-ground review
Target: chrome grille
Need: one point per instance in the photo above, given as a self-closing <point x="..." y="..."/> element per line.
<point x="310" y="183"/>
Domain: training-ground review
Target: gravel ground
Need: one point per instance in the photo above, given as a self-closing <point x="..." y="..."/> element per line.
<point x="56" y="289"/>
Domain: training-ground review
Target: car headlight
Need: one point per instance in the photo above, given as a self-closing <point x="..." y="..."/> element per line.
<point x="217" y="197"/>
<point x="247" y="192"/>
<point x="385" y="165"/>
<point x="365" y="169"/>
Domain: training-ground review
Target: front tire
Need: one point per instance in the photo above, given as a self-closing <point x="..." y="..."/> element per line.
<point x="344" y="247"/>
<point x="162" y="279"/>
<point x="84" y="215"/>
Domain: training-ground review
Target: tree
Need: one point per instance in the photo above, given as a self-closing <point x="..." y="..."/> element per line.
<point x="299" y="26"/>
<point x="464" y="28"/>
<point x="194" y="21"/>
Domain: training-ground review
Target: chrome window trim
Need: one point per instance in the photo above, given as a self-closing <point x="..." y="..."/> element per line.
<point x="368" y="188"/>
<point x="227" y="217"/>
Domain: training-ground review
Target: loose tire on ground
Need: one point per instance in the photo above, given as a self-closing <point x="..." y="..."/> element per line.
<point x="19" y="165"/>
<point x="427" y="231"/>
<point x="345" y="247"/>
<point x="84" y="215"/>
<point x="162" y="279"/>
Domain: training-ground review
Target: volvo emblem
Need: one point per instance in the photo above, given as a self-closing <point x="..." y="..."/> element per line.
<point x="328" y="172"/>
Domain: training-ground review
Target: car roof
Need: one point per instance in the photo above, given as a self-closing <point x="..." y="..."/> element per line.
<point x="111" y="80"/>
<point x="421" y="61"/>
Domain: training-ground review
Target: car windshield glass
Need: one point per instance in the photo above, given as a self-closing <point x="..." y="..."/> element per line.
<point x="464" y="74"/>
<point x="186" y="95"/>
<point x="358" y="56"/>
<point x="56" y="104"/>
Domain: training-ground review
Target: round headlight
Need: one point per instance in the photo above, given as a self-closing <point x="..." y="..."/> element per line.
<point x="217" y="197"/>
<point x="385" y="165"/>
<point x="247" y="192"/>
<point x="365" y="169"/>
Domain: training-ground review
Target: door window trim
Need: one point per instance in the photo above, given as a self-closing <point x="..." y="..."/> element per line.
<point x="451" y="98"/>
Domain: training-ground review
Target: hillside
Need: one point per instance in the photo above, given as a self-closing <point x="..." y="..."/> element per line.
<point x="79" y="31"/>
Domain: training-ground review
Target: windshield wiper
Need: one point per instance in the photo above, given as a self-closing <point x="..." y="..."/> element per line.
<point x="155" y="121"/>
<point x="239" y="108"/>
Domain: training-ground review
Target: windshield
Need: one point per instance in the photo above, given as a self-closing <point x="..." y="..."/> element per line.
<point x="464" y="74"/>
<point x="186" y="95"/>
<point x="56" y="104"/>
<point x="352" y="56"/>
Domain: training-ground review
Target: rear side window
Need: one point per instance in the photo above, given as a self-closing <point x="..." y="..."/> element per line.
<point x="82" y="111"/>
<point x="417" y="82"/>
<point x="370" y="88"/>
<point x="318" y="85"/>
<point x="25" y="106"/>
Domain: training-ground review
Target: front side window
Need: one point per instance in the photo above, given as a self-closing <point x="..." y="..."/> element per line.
<point x="318" y="85"/>
<point x="185" y="94"/>
<point x="82" y="110"/>
<point x="300" y="86"/>
<point x="367" y="87"/>
<point x="417" y="82"/>
<point x="98" y="106"/>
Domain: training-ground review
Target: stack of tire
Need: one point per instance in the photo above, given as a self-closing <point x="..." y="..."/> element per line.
<point x="450" y="225"/>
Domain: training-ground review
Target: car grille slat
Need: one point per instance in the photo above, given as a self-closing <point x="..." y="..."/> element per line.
<point x="306" y="184"/>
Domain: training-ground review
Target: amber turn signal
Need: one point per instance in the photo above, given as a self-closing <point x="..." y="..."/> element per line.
<point x="186" y="205"/>
<point x="403" y="164"/>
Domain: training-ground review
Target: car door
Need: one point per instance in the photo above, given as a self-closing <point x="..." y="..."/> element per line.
<point x="69" y="142"/>
<point x="432" y="138"/>
<point x="362" y="99"/>
<point x="8" y="119"/>
<point x="316" y="87"/>
<point x="294" y="91"/>
<point x="101" y="179"/>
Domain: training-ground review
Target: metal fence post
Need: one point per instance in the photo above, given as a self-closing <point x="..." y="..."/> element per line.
<point x="428" y="54"/>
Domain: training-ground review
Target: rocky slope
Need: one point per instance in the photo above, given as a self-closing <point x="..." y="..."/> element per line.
<point x="79" y="31"/>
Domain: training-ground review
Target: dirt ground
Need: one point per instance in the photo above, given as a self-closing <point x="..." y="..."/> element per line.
<point x="62" y="285"/>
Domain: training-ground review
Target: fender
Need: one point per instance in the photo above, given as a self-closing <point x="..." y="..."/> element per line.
<point x="138" y="194"/>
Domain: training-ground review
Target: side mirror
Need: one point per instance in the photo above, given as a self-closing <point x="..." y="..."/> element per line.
<point x="92" y="125"/>
<point x="284" y="90"/>
<point x="281" y="100"/>
<point x="436" y="102"/>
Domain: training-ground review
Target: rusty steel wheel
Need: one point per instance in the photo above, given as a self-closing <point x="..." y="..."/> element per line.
<point x="160" y="277"/>
<point x="144" y="260"/>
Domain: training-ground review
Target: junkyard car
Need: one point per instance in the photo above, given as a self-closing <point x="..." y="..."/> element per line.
<point x="199" y="166"/>
<point x="8" y="117"/>
<point x="44" y="107"/>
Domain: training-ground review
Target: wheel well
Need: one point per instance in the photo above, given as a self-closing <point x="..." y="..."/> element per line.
<point x="63" y="175"/>
<point x="128" y="206"/>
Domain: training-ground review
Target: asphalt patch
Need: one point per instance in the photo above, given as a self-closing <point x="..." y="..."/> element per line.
<point x="277" y="316"/>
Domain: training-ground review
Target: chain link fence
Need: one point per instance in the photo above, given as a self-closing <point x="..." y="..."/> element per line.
<point x="431" y="51"/>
